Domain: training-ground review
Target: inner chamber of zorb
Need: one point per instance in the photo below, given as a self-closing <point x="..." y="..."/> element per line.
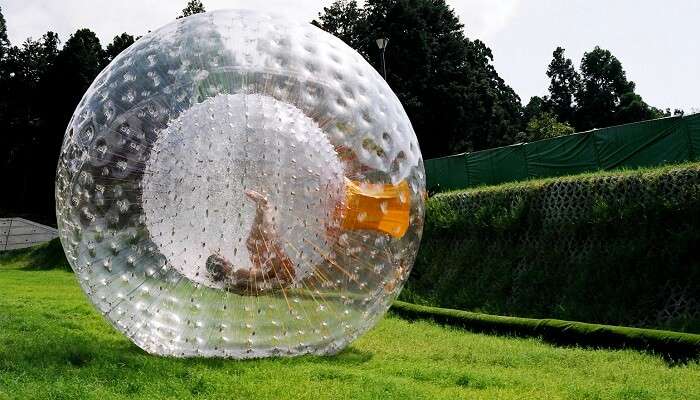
<point x="164" y="157"/>
<point x="203" y="162"/>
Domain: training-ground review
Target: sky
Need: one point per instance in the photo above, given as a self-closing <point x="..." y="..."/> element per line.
<point x="656" y="41"/>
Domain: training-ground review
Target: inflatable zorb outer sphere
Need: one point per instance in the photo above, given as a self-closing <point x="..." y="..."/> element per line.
<point x="238" y="185"/>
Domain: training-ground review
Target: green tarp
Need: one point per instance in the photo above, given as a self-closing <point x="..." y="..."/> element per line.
<point x="641" y="144"/>
<point x="566" y="155"/>
<point x="661" y="141"/>
<point x="493" y="166"/>
<point x="448" y="172"/>
<point x="692" y="128"/>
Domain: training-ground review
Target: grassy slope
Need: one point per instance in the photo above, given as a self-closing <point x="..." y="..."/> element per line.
<point x="631" y="237"/>
<point x="54" y="345"/>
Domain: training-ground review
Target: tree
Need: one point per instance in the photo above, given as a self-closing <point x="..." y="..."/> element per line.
<point x="27" y="156"/>
<point x="606" y="97"/>
<point x="536" y="106"/>
<point x="447" y="84"/>
<point x="4" y="41"/>
<point x="544" y="126"/>
<point x="31" y="61"/>
<point x="24" y="68"/>
<point x="563" y="87"/>
<point x="193" y="7"/>
<point x="119" y="44"/>
<point x="77" y="65"/>
<point x="632" y="108"/>
<point x="40" y="87"/>
<point x="346" y="21"/>
<point x="604" y="82"/>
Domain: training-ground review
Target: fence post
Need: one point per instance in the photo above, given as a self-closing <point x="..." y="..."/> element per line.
<point x="527" y="159"/>
<point x="691" y="153"/>
<point x="595" y="149"/>
<point x="466" y="169"/>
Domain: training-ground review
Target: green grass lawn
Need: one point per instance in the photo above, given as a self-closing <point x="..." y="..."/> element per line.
<point x="54" y="345"/>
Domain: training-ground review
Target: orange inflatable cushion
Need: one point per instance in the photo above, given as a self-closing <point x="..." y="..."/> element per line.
<point x="379" y="207"/>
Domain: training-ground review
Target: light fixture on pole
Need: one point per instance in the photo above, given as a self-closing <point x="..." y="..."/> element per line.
<point x="381" y="43"/>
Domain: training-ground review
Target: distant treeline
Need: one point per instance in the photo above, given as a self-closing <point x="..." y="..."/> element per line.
<point x="447" y="83"/>
<point x="41" y="83"/>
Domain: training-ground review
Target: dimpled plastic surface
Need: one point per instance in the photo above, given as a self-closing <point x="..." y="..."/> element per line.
<point x="156" y="162"/>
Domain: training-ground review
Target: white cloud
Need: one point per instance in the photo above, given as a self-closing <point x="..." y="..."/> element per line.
<point x="107" y="18"/>
<point x="484" y="18"/>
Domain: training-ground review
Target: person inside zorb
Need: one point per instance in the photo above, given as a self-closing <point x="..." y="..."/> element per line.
<point x="384" y="209"/>
<point x="270" y="200"/>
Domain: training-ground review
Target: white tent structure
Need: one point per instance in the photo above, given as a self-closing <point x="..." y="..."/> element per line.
<point x="17" y="233"/>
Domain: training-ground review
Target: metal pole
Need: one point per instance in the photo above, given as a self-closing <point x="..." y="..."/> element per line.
<point x="384" y="63"/>
<point x="381" y="43"/>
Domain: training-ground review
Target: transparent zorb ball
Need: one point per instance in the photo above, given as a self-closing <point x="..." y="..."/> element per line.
<point x="238" y="185"/>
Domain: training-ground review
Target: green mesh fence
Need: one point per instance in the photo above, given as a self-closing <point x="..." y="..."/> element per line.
<point x="641" y="144"/>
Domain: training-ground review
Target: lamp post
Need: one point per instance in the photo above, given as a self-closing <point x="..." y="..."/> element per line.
<point x="381" y="43"/>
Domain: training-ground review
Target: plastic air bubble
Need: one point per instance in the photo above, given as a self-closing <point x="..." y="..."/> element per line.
<point x="238" y="185"/>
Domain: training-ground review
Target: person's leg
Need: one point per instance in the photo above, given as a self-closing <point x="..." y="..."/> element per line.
<point x="270" y="270"/>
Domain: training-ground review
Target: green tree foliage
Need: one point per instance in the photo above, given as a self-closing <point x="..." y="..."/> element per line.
<point x="563" y="86"/>
<point x="446" y="82"/>
<point x="4" y="41"/>
<point x="24" y="71"/>
<point x="346" y="20"/>
<point x="604" y="82"/>
<point x="544" y="126"/>
<point x="4" y="48"/>
<point x="633" y="108"/>
<point x="536" y="106"/>
<point x="27" y="137"/>
<point x="606" y="96"/>
<point x="119" y="44"/>
<point x="193" y="7"/>
<point x="41" y="85"/>
<point x="28" y="64"/>
<point x="77" y="65"/>
<point x="599" y="96"/>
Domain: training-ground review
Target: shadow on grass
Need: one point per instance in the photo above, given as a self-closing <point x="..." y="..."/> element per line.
<point x="57" y="348"/>
<point x="44" y="256"/>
